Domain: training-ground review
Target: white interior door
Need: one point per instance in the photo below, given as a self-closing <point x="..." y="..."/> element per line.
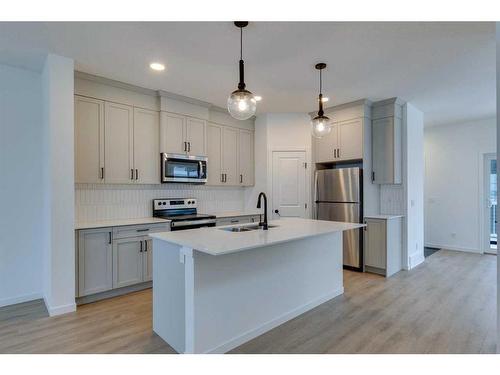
<point x="289" y="184"/>
<point x="490" y="204"/>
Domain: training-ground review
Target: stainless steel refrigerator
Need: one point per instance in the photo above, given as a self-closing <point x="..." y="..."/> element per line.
<point x="338" y="197"/>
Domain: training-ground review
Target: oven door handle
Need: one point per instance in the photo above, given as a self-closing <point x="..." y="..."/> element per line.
<point x="191" y="222"/>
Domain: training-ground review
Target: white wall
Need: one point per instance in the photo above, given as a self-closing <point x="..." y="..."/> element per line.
<point x="21" y="193"/>
<point x="58" y="121"/>
<point x="453" y="182"/>
<point x="278" y="132"/>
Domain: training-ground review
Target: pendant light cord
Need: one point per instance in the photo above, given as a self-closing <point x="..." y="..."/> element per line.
<point x="320" y="81"/>
<point x="241" y="43"/>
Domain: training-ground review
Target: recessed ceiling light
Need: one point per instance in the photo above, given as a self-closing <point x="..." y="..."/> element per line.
<point x="325" y="99"/>
<point x="157" y="66"/>
<point x="257" y="97"/>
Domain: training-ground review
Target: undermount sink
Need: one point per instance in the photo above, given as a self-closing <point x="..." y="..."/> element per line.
<point x="247" y="228"/>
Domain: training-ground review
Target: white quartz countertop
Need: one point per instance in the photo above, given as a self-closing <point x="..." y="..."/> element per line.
<point x="224" y="214"/>
<point x="118" y="222"/>
<point x="214" y="241"/>
<point x="383" y="217"/>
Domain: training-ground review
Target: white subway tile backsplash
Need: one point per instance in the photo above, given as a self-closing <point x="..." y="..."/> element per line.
<point x="105" y="202"/>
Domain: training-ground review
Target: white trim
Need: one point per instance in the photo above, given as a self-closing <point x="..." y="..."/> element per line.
<point x="20" y="299"/>
<point x="249" y="335"/>
<point x="484" y="240"/>
<point x="59" y="310"/>
<point x="455" y="248"/>
<point x="415" y="259"/>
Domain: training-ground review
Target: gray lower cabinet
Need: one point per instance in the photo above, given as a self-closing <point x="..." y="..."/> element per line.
<point x="383" y="245"/>
<point x="95" y="261"/>
<point x="147" y="260"/>
<point x="127" y="261"/>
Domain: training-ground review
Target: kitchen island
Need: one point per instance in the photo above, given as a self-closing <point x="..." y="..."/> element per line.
<point x="216" y="288"/>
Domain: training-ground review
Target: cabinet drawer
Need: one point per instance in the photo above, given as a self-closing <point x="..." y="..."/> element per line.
<point x="139" y="230"/>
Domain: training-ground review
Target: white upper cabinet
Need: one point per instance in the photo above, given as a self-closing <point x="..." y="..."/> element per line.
<point x="246" y="158"/>
<point x="214" y="153"/>
<point x="195" y="136"/>
<point x="118" y="141"/>
<point x="173" y="133"/>
<point x="89" y="140"/>
<point x="230" y="156"/>
<point x="146" y="146"/>
<point x="182" y="134"/>
<point x="350" y="139"/>
<point x="326" y="146"/>
<point x="344" y="142"/>
<point x="386" y="142"/>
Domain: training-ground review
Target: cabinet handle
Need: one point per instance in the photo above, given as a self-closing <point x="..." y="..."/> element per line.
<point x="185" y="146"/>
<point x="334" y="153"/>
<point x="338" y="152"/>
<point x="102" y="173"/>
<point x="132" y="174"/>
<point x="373" y="176"/>
<point x="145" y="246"/>
<point x="142" y="230"/>
<point x="141" y="247"/>
<point x="225" y="177"/>
<point x="189" y="146"/>
<point x="109" y="238"/>
<point x="241" y="178"/>
<point x="222" y="177"/>
<point x="235" y="221"/>
<point x="136" y="174"/>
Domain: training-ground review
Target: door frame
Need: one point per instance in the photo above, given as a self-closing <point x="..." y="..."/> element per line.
<point x="307" y="192"/>
<point x="484" y="240"/>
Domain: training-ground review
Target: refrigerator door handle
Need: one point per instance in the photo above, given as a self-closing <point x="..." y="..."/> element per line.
<point x="315" y="208"/>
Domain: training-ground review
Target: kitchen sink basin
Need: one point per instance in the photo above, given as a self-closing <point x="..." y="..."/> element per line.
<point x="247" y="228"/>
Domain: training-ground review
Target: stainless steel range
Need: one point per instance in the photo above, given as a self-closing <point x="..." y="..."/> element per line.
<point x="182" y="212"/>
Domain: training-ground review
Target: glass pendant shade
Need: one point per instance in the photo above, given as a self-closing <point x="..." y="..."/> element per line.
<point x="241" y="104"/>
<point x="321" y="126"/>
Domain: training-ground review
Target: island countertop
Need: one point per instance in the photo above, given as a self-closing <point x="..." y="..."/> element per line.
<point x="215" y="241"/>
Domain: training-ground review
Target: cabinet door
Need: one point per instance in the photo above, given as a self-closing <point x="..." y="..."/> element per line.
<point x="350" y="140"/>
<point x="230" y="156"/>
<point x="214" y="153"/>
<point x="375" y="244"/>
<point x="386" y="151"/>
<point x="95" y="267"/>
<point x="89" y="140"/>
<point x="146" y="146"/>
<point x="195" y="136"/>
<point x="147" y="261"/>
<point x="173" y="133"/>
<point x="127" y="261"/>
<point x="246" y="158"/>
<point x="118" y="141"/>
<point x="326" y="146"/>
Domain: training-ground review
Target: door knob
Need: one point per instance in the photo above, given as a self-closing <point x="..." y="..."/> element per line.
<point x="277" y="212"/>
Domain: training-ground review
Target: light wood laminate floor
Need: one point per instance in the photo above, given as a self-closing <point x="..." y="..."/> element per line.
<point x="446" y="305"/>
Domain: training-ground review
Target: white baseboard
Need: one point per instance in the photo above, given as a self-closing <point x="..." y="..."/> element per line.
<point x="455" y="248"/>
<point x="20" y="299"/>
<point x="59" y="310"/>
<point x="415" y="260"/>
<point x="253" y="333"/>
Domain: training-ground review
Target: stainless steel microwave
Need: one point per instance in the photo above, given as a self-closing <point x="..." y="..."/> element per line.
<point x="183" y="168"/>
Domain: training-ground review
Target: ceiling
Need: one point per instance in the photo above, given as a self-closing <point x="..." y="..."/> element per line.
<point x="445" y="69"/>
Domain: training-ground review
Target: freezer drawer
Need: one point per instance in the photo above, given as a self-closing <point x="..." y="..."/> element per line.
<point x="345" y="212"/>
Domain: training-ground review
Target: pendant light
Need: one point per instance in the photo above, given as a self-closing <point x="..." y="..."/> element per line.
<point x="321" y="123"/>
<point x="241" y="104"/>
